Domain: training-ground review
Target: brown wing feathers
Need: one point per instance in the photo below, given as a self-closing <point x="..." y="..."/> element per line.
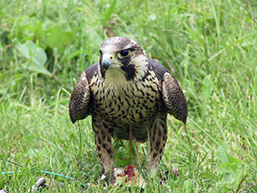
<point x="79" y="101"/>
<point x="173" y="96"/>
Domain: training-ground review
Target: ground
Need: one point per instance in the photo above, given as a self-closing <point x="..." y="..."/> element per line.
<point x="209" y="46"/>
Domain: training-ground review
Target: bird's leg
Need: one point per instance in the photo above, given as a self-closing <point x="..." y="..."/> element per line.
<point x="132" y="137"/>
<point x="157" y="137"/>
<point x="103" y="143"/>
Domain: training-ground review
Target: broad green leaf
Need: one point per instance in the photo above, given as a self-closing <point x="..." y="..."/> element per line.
<point x="235" y="163"/>
<point x="36" y="57"/>
<point x="57" y="36"/>
<point x="222" y="154"/>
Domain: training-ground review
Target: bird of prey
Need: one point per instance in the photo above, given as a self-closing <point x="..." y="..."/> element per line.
<point x="127" y="93"/>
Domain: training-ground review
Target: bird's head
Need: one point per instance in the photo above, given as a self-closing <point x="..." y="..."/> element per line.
<point x="121" y="56"/>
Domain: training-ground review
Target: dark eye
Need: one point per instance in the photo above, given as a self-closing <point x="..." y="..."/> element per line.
<point x="124" y="53"/>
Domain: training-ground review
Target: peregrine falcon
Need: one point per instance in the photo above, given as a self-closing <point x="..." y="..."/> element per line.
<point x="126" y="93"/>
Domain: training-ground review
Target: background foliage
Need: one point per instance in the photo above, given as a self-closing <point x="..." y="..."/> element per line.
<point x="210" y="46"/>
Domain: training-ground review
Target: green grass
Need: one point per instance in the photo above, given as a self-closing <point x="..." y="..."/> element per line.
<point x="211" y="46"/>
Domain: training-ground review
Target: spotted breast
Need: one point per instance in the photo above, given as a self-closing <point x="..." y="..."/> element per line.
<point x="130" y="103"/>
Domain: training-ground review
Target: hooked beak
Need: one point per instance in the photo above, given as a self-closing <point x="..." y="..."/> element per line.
<point x="106" y="64"/>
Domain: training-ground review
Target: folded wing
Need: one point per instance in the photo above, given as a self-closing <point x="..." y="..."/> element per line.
<point x="79" y="101"/>
<point x="172" y="94"/>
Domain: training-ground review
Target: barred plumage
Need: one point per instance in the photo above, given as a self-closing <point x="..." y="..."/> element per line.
<point x="124" y="90"/>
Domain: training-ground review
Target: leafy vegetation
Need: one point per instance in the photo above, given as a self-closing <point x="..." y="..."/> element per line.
<point x="210" y="46"/>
